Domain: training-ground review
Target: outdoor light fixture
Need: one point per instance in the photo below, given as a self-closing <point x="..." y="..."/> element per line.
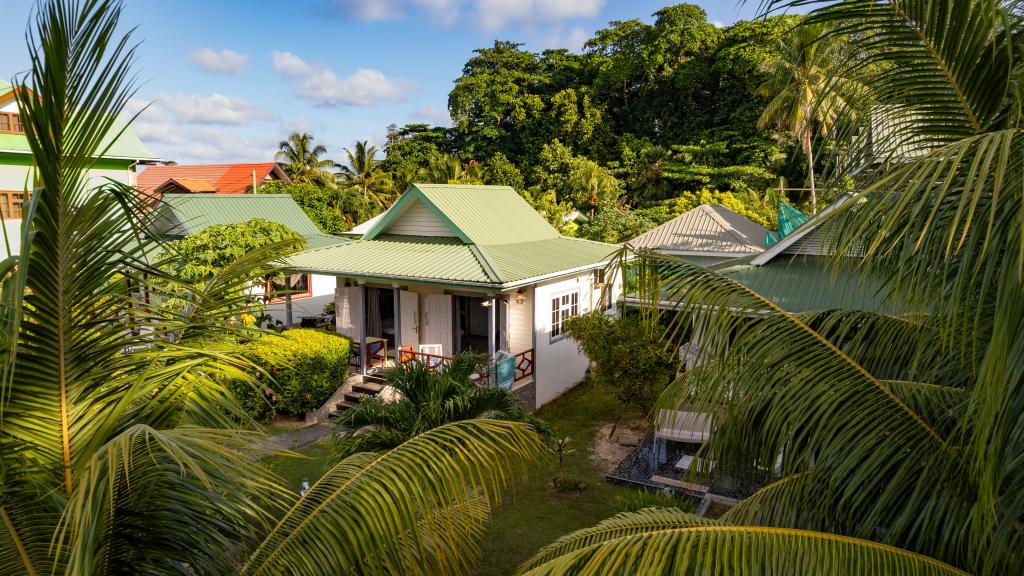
<point x="486" y="303"/>
<point x="520" y="297"/>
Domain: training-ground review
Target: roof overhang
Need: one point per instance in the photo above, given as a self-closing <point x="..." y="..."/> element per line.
<point x="815" y="221"/>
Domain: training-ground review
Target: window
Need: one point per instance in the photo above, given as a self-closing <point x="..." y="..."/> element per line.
<point x="11" y="202"/>
<point x="563" y="306"/>
<point x="11" y="123"/>
<point x="299" y="285"/>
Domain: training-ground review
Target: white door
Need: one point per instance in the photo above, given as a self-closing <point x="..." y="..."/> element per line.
<point x="438" y="322"/>
<point x="409" y="303"/>
<point x="348" y="311"/>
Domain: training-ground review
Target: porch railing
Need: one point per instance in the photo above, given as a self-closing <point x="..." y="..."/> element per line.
<point x="523" y="362"/>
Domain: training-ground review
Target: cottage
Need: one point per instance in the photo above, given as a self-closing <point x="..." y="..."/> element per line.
<point x="178" y="215"/>
<point x="452" y="268"/>
<point x="241" y="178"/>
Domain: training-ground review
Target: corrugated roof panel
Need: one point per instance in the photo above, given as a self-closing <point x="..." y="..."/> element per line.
<point x="522" y="260"/>
<point x="406" y="257"/>
<point x="181" y="214"/>
<point x="802" y="284"/>
<point x="707" y="228"/>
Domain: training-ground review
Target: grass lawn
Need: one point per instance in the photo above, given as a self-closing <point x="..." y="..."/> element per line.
<point x="531" y="514"/>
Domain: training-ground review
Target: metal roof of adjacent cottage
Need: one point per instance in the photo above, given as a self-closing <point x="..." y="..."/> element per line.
<point x="481" y="236"/>
<point x="707" y="230"/>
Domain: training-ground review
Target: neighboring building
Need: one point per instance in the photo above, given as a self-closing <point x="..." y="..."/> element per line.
<point x="450" y="268"/>
<point x="706" y="235"/>
<point x="207" y="178"/>
<point x="178" y="215"/>
<point x="118" y="163"/>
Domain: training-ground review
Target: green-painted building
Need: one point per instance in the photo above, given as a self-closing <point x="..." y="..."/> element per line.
<point x="16" y="164"/>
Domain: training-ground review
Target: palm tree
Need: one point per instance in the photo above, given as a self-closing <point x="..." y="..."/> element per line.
<point x="429" y="398"/>
<point x="304" y="162"/>
<point x="897" y="427"/>
<point x="365" y="173"/>
<point x="652" y="183"/>
<point x="447" y="169"/>
<point x="120" y="444"/>
<point x="807" y="95"/>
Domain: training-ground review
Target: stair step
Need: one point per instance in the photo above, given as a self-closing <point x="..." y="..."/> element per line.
<point x="357" y="397"/>
<point x="345" y="405"/>
<point x="368" y="388"/>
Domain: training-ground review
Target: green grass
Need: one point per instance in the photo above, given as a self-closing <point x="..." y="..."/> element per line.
<point x="310" y="464"/>
<point x="533" y="515"/>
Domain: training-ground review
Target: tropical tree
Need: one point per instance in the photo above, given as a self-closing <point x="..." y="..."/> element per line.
<point x="808" y="94"/>
<point x="120" y="448"/>
<point x="365" y="173"/>
<point x="897" y="424"/>
<point x="652" y="184"/>
<point x="428" y="398"/>
<point x="304" y="162"/>
<point x="448" y="169"/>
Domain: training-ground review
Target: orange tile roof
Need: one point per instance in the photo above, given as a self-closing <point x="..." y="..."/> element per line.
<point x="225" y="178"/>
<point x="186" y="184"/>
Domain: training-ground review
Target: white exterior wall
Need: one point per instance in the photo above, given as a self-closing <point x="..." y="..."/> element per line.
<point x="322" y="293"/>
<point x="520" y="323"/>
<point x="559" y="364"/>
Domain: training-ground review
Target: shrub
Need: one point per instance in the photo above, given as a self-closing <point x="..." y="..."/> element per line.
<point x="629" y="356"/>
<point x="303" y="368"/>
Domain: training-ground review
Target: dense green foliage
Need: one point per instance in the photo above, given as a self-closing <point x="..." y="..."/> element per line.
<point x="428" y="398"/>
<point x="334" y="210"/>
<point x="627" y="355"/>
<point x="200" y="256"/>
<point x="301" y="369"/>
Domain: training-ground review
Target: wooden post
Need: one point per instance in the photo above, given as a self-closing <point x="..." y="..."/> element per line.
<point x="491" y="344"/>
<point x="288" y="310"/>
<point x="362" y="330"/>
<point x="397" y="290"/>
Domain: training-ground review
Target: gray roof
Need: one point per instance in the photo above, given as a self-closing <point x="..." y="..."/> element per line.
<point x="708" y="229"/>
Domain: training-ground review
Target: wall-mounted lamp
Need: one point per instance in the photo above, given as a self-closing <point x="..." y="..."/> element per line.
<point x="520" y="297"/>
<point x="486" y="303"/>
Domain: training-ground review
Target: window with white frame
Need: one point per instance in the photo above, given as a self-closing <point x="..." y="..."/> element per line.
<point x="563" y="307"/>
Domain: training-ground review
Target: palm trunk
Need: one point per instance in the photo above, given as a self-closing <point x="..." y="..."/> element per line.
<point x="809" y="150"/>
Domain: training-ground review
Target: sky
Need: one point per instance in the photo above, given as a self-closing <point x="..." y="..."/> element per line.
<point x="225" y="81"/>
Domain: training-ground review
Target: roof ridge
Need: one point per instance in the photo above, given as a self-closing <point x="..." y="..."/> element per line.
<point x="713" y="213"/>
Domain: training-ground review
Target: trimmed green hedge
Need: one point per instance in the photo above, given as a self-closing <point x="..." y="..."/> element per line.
<point x="303" y="368"/>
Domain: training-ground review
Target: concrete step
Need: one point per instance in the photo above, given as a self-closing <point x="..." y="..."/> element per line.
<point x="357" y="397"/>
<point x="345" y="405"/>
<point x="690" y="486"/>
<point x="367" y="388"/>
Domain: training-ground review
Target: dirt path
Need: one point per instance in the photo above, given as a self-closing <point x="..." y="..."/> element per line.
<point x="608" y="452"/>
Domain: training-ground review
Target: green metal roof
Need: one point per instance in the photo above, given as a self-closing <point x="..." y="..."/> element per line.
<point x="497" y="240"/>
<point x="806" y="283"/>
<point x="476" y="214"/>
<point x="183" y="214"/>
<point x="126" y="147"/>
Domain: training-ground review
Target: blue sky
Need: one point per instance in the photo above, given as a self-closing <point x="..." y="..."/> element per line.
<point x="228" y="80"/>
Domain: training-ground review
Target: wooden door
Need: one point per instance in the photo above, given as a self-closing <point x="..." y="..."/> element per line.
<point x="437" y="321"/>
<point x="348" y="311"/>
<point x="409" y="316"/>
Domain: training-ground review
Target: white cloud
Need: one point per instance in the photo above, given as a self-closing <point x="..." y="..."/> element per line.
<point x="433" y="115"/>
<point x="718" y="24"/>
<point x="572" y="40"/>
<point x="490" y="14"/>
<point x="496" y="14"/>
<point x="226" y="61"/>
<point x="290" y="65"/>
<point x="212" y="109"/>
<point x="364" y="87"/>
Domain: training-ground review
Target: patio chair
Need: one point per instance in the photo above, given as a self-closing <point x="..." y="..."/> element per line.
<point x="435" y="354"/>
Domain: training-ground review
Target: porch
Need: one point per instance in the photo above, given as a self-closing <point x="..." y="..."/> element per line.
<point x="401" y="324"/>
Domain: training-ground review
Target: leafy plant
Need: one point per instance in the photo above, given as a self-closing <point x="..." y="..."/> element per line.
<point x="427" y="398"/>
<point x="626" y="355"/>
<point x="301" y="367"/>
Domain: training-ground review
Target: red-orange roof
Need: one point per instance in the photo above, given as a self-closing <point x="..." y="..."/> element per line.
<point x="225" y="178"/>
<point x="186" y="185"/>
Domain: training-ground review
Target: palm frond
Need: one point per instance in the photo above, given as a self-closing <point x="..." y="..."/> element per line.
<point x="381" y="501"/>
<point x="669" y="541"/>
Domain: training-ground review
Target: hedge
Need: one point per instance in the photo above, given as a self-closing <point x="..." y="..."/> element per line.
<point x="303" y="368"/>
